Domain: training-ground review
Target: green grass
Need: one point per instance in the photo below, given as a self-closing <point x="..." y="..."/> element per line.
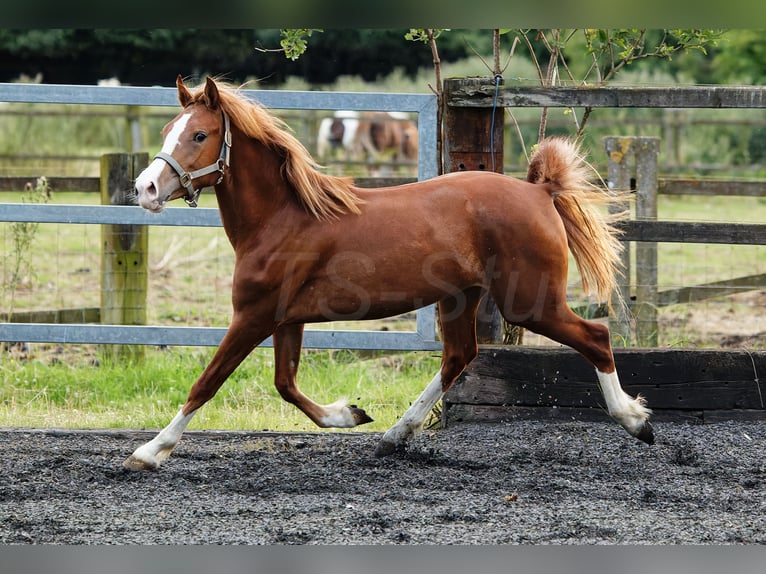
<point x="684" y="264"/>
<point x="38" y="393"/>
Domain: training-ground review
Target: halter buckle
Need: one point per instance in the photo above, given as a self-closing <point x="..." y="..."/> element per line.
<point x="191" y="198"/>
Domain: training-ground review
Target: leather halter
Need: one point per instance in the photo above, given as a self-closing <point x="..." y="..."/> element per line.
<point x="186" y="177"/>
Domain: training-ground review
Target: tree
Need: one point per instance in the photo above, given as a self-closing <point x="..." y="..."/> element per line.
<point x="157" y="56"/>
<point x="603" y="54"/>
<point x="741" y="59"/>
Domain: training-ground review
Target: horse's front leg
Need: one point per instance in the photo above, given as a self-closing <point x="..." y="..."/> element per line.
<point x="288" y="340"/>
<point x="240" y="339"/>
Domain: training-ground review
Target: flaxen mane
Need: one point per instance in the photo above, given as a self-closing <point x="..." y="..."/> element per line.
<point x="324" y="196"/>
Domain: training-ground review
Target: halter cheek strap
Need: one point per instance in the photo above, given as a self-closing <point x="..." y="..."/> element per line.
<point x="186" y="178"/>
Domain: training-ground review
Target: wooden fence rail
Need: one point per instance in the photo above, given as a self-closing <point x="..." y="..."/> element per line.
<point x="679" y="384"/>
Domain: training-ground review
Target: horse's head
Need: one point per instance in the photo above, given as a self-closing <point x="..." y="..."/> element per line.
<point x="195" y="151"/>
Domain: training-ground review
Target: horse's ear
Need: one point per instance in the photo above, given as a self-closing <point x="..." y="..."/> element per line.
<point x="184" y="95"/>
<point x="211" y="94"/>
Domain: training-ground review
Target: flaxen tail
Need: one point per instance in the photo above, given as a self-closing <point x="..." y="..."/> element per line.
<point x="593" y="239"/>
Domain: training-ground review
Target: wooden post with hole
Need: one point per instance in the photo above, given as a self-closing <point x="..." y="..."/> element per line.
<point x="471" y="144"/>
<point x="124" y="277"/>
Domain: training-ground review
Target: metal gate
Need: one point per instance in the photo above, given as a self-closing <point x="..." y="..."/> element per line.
<point x="423" y="338"/>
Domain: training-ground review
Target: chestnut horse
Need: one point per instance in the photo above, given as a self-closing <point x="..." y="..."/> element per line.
<point x="311" y="247"/>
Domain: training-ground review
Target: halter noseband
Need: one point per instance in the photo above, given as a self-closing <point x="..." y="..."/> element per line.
<point x="186" y="177"/>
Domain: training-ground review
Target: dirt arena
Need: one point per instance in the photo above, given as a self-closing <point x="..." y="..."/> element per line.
<point x="525" y="482"/>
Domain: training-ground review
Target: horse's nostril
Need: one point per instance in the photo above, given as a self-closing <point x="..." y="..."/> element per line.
<point x="150" y="190"/>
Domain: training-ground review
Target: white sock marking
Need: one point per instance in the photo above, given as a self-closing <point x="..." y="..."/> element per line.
<point x="339" y="415"/>
<point x="159" y="448"/>
<point x="629" y="412"/>
<point x="413" y="419"/>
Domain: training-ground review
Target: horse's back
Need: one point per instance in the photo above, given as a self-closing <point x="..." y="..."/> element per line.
<point x="472" y="211"/>
<point x="482" y="199"/>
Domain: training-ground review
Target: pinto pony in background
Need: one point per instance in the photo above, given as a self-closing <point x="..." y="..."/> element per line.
<point x="375" y="138"/>
<point x="311" y="247"/>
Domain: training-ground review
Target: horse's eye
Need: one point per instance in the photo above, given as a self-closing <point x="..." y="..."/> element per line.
<point x="199" y="137"/>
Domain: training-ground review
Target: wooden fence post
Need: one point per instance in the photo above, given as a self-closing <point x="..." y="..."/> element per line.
<point x="471" y="144"/>
<point x="645" y="312"/>
<point x="124" y="277"/>
<point x="638" y="157"/>
<point x="618" y="177"/>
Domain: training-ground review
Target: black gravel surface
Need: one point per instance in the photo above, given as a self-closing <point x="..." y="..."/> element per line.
<point x="525" y="482"/>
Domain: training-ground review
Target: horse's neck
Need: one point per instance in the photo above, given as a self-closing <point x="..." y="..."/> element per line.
<point x="253" y="193"/>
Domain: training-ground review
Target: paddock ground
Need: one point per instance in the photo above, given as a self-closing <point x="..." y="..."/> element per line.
<point x="522" y="482"/>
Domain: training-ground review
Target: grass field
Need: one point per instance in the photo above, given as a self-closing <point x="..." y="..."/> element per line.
<point x="148" y="393"/>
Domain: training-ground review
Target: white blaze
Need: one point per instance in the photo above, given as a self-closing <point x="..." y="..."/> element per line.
<point x="152" y="173"/>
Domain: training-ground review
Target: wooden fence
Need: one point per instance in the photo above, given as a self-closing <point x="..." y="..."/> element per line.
<point x="633" y="164"/>
<point x="693" y="385"/>
<point x="506" y="383"/>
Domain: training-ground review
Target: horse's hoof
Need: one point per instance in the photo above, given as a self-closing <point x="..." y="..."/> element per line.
<point x="385" y="448"/>
<point x="360" y="417"/>
<point x="646" y="434"/>
<point x="135" y="464"/>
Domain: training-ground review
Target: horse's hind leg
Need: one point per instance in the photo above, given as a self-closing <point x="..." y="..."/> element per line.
<point x="591" y="340"/>
<point x="287" y="350"/>
<point x="458" y="327"/>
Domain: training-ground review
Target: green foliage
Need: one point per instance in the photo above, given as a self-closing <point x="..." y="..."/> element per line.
<point x="610" y="50"/>
<point x="422" y="35"/>
<point x="740" y="59"/>
<point x="156" y="56"/>
<point x="40" y="42"/>
<point x="294" y="41"/>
